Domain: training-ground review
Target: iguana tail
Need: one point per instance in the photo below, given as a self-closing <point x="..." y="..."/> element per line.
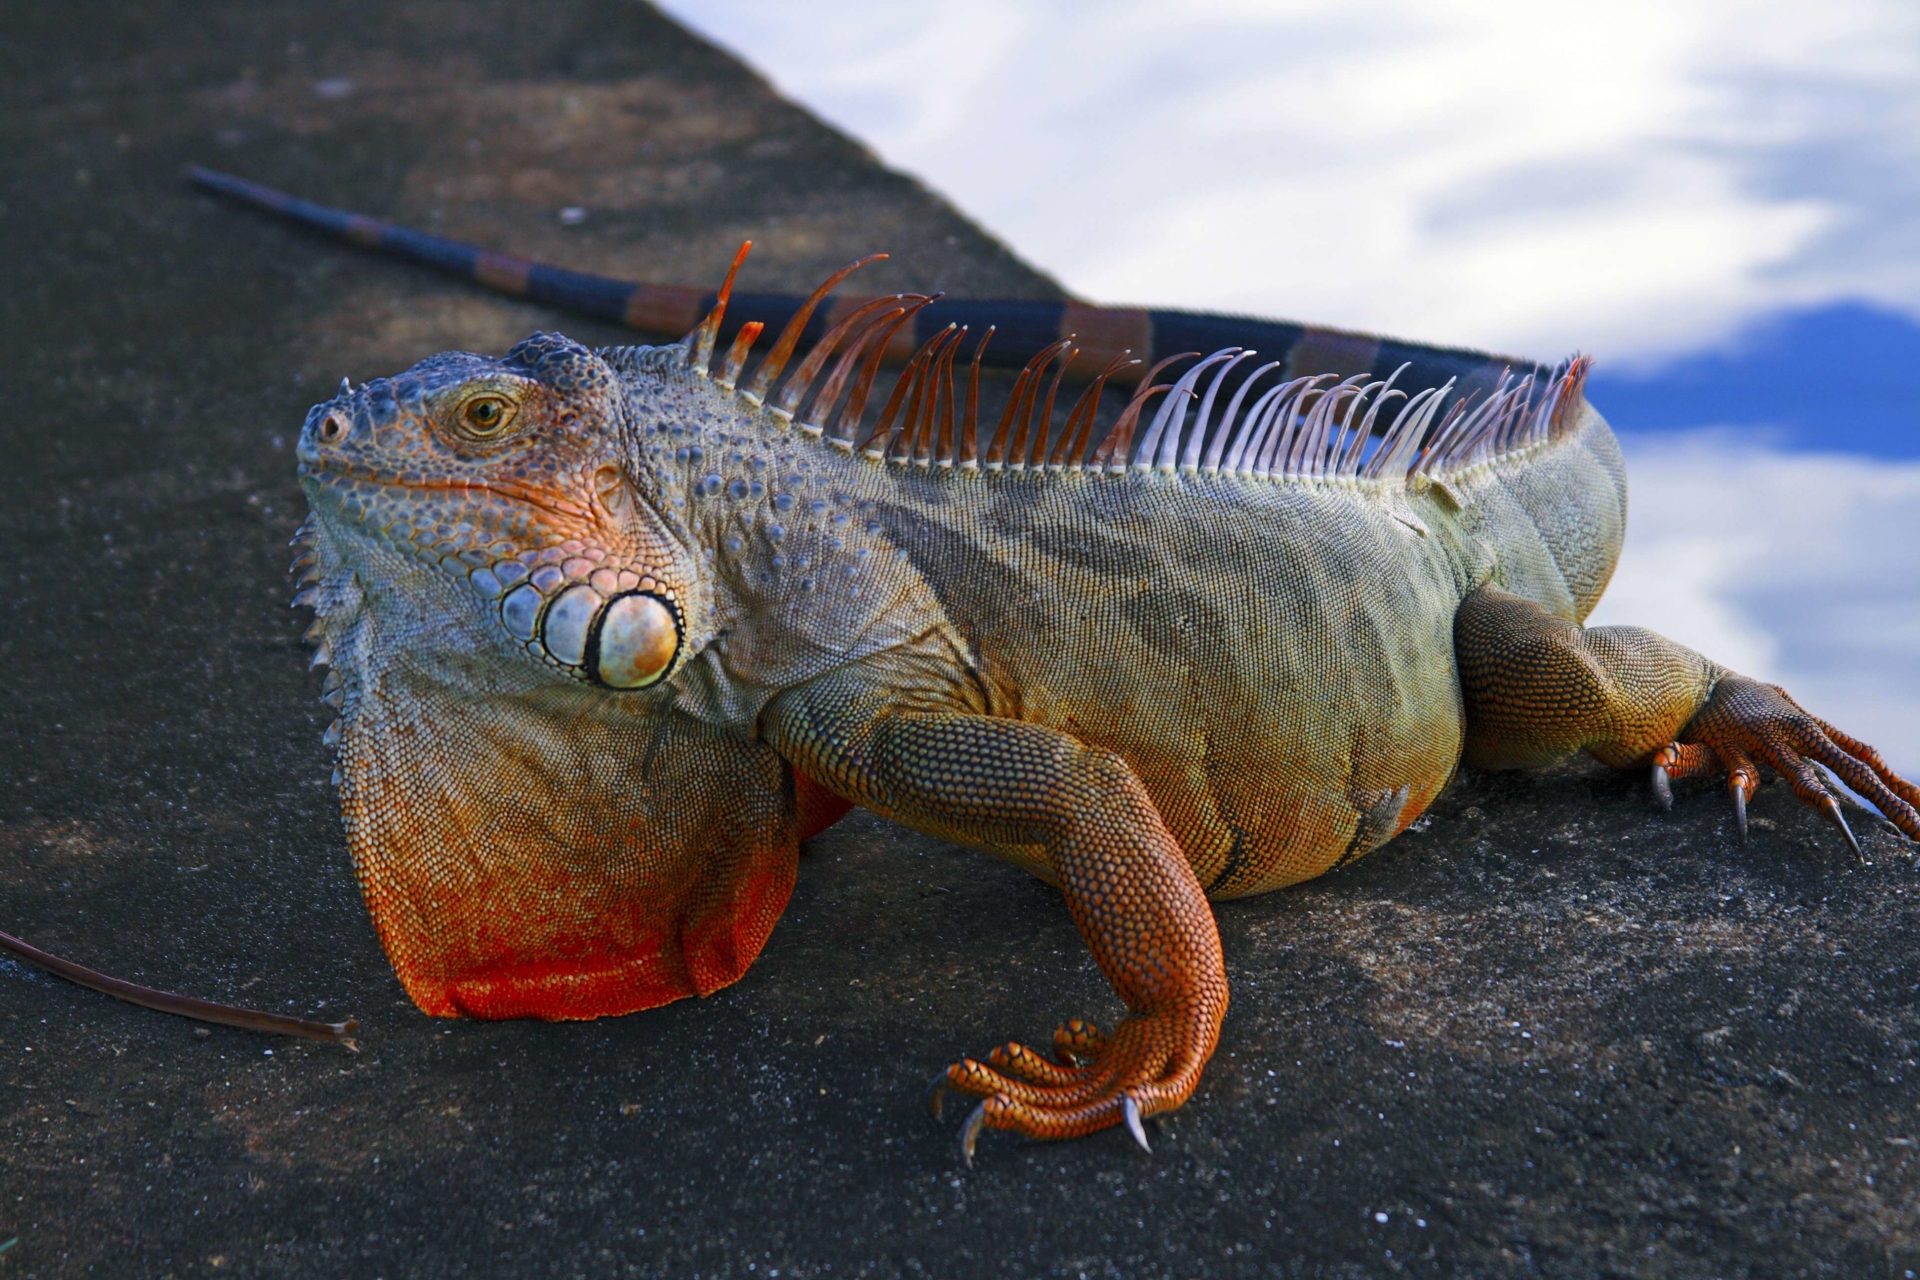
<point x="1022" y="328"/>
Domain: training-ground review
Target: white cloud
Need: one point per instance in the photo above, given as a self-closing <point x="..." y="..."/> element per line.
<point x="1532" y="175"/>
<point x="1795" y="568"/>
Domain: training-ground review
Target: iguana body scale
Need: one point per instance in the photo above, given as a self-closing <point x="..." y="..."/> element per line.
<point x="612" y="632"/>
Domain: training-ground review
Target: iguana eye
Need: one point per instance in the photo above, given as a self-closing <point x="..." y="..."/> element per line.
<point x="486" y="416"/>
<point x="635" y="642"/>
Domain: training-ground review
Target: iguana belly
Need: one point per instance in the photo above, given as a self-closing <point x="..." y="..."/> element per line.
<point x="1275" y="662"/>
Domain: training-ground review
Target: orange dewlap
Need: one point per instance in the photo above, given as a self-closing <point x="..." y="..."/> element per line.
<point x="626" y="958"/>
<point x="817" y="807"/>
<point x="530" y="860"/>
<point x="621" y="960"/>
<point x="630" y="957"/>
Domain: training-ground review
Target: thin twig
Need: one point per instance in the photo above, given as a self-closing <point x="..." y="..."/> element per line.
<point x="185" y="1006"/>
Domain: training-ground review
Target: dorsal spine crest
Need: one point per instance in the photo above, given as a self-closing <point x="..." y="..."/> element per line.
<point x="1297" y="430"/>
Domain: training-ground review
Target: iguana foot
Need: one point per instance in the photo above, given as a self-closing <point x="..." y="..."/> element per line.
<point x="1150" y="1064"/>
<point x="1747" y="723"/>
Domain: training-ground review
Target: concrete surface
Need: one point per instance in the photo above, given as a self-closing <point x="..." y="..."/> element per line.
<point x="1551" y="1032"/>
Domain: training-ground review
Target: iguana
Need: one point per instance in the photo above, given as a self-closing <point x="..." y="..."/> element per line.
<point x="611" y="632"/>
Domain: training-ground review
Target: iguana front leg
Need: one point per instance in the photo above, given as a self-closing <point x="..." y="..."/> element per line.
<point x="1538" y="687"/>
<point x="1039" y="796"/>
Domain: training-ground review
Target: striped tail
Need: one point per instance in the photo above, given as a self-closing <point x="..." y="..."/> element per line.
<point x="1022" y="329"/>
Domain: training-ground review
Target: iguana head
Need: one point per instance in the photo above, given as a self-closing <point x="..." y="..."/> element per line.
<point x="509" y="477"/>
<point x="514" y="602"/>
<point x="507" y="604"/>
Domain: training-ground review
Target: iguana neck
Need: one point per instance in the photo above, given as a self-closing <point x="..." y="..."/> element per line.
<point x="798" y="578"/>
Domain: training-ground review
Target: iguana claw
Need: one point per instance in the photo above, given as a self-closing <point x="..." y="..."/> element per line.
<point x="1662" y="789"/>
<point x="970" y="1132"/>
<point x="1739" y="806"/>
<point x="937" y="1095"/>
<point x="1138" y="1130"/>
<point x="1831" y="808"/>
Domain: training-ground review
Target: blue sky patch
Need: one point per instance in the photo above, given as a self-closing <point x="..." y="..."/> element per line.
<point x="1840" y="378"/>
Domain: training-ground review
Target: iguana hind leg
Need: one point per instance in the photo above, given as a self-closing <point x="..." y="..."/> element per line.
<point x="1538" y="687"/>
<point x="1081" y="815"/>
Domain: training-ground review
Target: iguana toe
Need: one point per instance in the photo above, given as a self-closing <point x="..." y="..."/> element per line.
<point x="1077" y="1040"/>
<point x="1023" y="1063"/>
<point x="1747" y="723"/>
<point x="1143" y="1069"/>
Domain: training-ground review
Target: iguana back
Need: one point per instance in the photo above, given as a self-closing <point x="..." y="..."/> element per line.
<point x="1248" y="597"/>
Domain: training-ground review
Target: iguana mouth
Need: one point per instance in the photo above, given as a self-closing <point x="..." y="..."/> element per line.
<point x="511" y="490"/>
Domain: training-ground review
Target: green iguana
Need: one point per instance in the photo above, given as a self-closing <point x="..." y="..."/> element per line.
<point x="611" y="633"/>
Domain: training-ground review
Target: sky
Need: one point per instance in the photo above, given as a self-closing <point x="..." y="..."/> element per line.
<point x="1714" y="198"/>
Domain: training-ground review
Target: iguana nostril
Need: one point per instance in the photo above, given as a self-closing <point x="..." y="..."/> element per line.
<point x="636" y="641"/>
<point x="565" y="631"/>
